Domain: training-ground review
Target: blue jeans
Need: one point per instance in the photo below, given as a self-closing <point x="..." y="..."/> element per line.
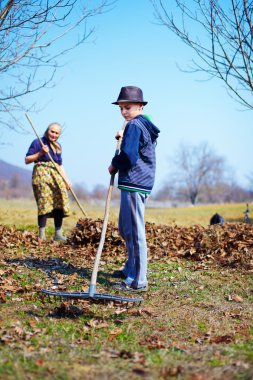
<point x="132" y="229"/>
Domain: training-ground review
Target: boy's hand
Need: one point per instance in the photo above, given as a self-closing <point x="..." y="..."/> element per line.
<point x="119" y="134"/>
<point x="112" y="169"/>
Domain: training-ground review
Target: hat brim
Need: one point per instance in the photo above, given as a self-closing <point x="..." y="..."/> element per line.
<point x="130" y="101"/>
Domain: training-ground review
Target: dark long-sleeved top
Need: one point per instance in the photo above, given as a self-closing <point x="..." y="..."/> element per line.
<point x="35" y="147"/>
<point x="137" y="161"/>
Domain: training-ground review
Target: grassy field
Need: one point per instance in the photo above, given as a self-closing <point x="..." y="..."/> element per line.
<point x="195" y="322"/>
<point x="24" y="213"/>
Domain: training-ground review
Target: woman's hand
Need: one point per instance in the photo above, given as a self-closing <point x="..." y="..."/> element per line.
<point x="44" y="150"/>
<point x="68" y="185"/>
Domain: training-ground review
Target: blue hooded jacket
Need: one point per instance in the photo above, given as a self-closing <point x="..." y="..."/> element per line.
<point x="136" y="162"/>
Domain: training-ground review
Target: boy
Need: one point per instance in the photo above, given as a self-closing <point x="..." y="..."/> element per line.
<point x="136" y="166"/>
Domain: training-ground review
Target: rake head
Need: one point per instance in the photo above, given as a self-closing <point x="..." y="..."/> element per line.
<point x="86" y="295"/>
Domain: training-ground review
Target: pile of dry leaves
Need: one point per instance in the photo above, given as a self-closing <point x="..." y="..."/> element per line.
<point x="11" y="237"/>
<point x="230" y="244"/>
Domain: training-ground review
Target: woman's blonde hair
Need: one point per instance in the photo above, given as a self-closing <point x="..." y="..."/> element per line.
<point x="56" y="148"/>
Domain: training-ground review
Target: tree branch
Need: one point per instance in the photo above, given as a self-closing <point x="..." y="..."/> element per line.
<point x="225" y="49"/>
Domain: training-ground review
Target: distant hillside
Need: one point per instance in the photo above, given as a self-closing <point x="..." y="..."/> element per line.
<point x="7" y="171"/>
<point x="14" y="181"/>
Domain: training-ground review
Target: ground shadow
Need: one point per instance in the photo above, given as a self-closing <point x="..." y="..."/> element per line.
<point x="238" y="220"/>
<point x="54" y="265"/>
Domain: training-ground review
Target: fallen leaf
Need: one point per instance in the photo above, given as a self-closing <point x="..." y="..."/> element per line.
<point x="237" y="298"/>
<point x="222" y="339"/>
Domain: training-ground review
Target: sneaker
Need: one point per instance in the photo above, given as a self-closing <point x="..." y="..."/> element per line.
<point x="122" y="286"/>
<point x="118" y="274"/>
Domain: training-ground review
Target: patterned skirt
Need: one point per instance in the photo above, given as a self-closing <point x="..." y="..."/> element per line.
<point x="49" y="190"/>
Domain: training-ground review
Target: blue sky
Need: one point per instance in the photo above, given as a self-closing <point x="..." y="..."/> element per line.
<point x="129" y="48"/>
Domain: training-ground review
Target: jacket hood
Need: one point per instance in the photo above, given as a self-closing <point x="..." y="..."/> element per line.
<point x="153" y="130"/>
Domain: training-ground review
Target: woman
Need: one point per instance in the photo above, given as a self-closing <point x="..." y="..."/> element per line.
<point x="48" y="186"/>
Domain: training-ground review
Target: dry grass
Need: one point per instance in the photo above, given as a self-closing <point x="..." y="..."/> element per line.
<point x="23" y="212"/>
<point x="186" y="216"/>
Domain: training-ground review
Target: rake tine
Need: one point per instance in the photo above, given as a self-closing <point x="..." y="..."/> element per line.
<point x="43" y="296"/>
<point x="96" y="296"/>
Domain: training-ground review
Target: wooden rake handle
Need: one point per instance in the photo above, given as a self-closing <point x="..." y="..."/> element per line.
<point x="92" y="289"/>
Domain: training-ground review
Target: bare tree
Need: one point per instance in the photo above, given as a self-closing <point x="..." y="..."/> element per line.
<point x="30" y="32"/>
<point x="81" y="191"/>
<point x="224" y="191"/>
<point x="99" y="192"/>
<point x="196" y="167"/>
<point x="221" y="34"/>
<point x="250" y="181"/>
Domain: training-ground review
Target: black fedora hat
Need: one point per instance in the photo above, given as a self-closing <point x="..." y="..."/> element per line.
<point x="131" y="94"/>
